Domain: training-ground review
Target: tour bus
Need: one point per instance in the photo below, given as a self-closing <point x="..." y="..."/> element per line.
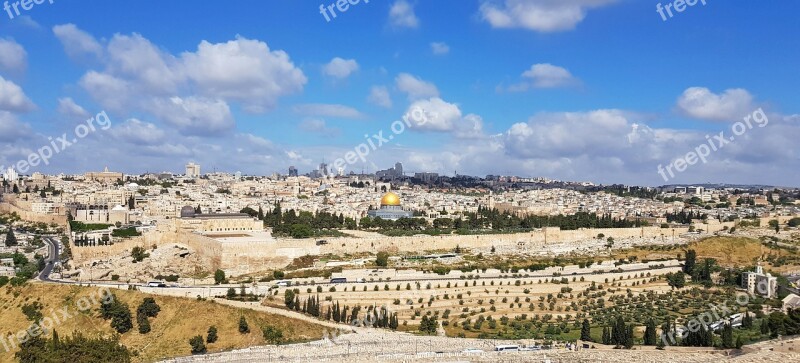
<point x="156" y="284"/>
<point x="338" y="280"/>
<point x="282" y="284"/>
<point x="506" y="348"/>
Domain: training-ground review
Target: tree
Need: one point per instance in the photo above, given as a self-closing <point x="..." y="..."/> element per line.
<point x="382" y="260"/>
<point x="149" y="307"/>
<point x="288" y="298"/>
<point x="243" y="327"/>
<point x="219" y="277"/>
<point x="747" y="321"/>
<point x="144" y="324"/>
<point x="231" y="293"/>
<point x="212" y="335"/>
<point x="11" y="240"/>
<point x="775" y="323"/>
<point x="688" y="265"/>
<point x="198" y="347"/>
<point x="775" y="224"/>
<point x="131" y="203"/>
<point x="586" y="331"/>
<point x="273" y="334"/>
<point x="138" y="254"/>
<point x="727" y="337"/>
<point x="121" y="319"/>
<point x="606" y="336"/>
<point x="650" y="333"/>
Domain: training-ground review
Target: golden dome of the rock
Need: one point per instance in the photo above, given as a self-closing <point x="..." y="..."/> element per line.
<point x="390" y="199"/>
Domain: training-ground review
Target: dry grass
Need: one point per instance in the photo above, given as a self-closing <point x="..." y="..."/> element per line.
<point x="179" y="320"/>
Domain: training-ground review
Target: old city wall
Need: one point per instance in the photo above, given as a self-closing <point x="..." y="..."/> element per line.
<point x="24" y="212"/>
<point x="546" y="236"/>
<point x="208" y="251"/>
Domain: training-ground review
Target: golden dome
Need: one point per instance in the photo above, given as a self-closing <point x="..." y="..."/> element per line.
<point x="390" y="199"/>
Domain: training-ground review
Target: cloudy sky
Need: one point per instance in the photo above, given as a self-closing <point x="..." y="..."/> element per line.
<point x="586" y="90"/>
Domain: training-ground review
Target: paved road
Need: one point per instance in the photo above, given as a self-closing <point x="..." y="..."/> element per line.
<point x="52" y="258"/>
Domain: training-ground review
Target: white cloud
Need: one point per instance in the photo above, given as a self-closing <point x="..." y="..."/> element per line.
<point x="11" y="129"/>
<point x="68" y="108"/>
<point x="12" y="98"/>
<point x="27" y="21"/>
<point x="138" y="132"/>
<point x="12" y="56"/>
<point x="111" y="92"/>
<point x="318" y="126"/>
<point x="140" y="61"/>
<point x="327" y="110"/>
<point x="415" y="88"/>
<point x="538" y="15"/>
<point x="379" y="95"/>
<point x="194" y="115"/>
<point x="440" y="48"/>
<point x="77" y="43"/>
<point x="435" y="114"/>
<point x="701" y="103"/>
<point x="244" y="70"/>
<point x="401" y="15"/>
<point x="545" y="75"/>
<point x="340" y="68"/>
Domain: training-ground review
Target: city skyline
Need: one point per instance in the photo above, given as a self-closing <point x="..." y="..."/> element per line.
<point x="607" y="91"/>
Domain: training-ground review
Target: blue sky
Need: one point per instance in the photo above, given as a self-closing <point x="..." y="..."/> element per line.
<point x="595" y="90"/>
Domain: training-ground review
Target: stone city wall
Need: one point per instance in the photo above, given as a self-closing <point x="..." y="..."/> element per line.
<point x="24" y="212"/>
<point x="546" y="236"/>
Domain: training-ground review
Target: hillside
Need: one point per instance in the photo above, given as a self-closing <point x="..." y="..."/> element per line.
<point x="178" y="321"/>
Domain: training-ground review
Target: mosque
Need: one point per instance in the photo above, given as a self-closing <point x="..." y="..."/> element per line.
<point x="390" y="209"/>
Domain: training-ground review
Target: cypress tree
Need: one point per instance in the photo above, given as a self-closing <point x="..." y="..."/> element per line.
<point x="650" y="333"/>
<point x="586" y="331"/>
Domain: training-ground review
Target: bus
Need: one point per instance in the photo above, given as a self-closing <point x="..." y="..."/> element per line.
<point x="338" y="280"/>
<point x="506" y="348"/>
<point x="156" y="284"/>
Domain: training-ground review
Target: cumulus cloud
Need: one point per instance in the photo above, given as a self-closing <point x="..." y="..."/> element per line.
<point x="12" y="98"/>
<point x="138" y="132"/>
<point x="11" y="129"/>
<point x="401" y="15"/>
<point x="318" y="126"/>
<point x="545" y="75"/>
<point x="111" y="92"/>
<point x="140" y="61"/>
<point x="340" y="68"/>
<point x="701" y="103"/>
<point x="538" y="15"/>
<point x="435" y="114"/>
<point x="194" y="115"/>
<point x="68" y="108"/>
<point x="12" y="56"/>
<point x="77" y="43"/>
<point x="244" y="70"/>
<point x="379" y="95"/>
<point x="327" y="110"/>
<point x="440" y="48"/>
<point x="415" y="87"/>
